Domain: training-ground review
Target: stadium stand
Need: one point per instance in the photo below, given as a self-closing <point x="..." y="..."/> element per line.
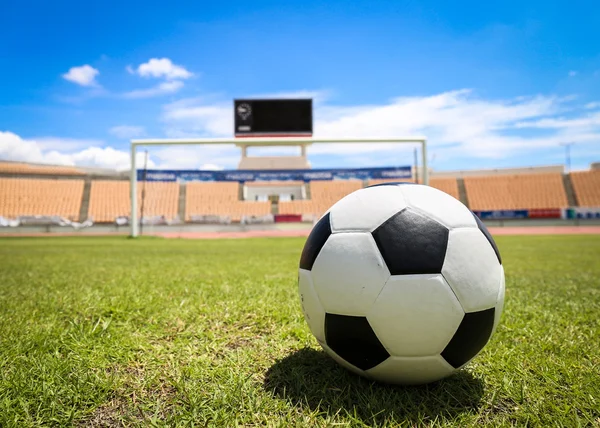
<point x="220" y="199"/>
<point x="109" y="199"/>
<point x="446" y="184"/>
<point x="40" y="197"/>
<point x="515" y="192"/>
<point x="276" y="191"/>
<point x="323" y="195"/>
<point x="31" y="169"/>
<point x="586" y="185"/>
<point x="81" y="193"/>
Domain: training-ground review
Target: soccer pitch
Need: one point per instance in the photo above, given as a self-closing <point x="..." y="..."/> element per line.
<point x="112" y="331"/>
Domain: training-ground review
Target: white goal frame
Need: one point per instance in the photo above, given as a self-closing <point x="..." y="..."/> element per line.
<point x="258" y="141"/>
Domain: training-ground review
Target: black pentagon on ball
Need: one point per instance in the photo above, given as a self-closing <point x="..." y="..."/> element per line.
<point x="471" y="336"/>
<point x="488" y="235"/>
<point x="412" y="243"/>
<point x="316" y="239"/>
<point x="353" y="339"/>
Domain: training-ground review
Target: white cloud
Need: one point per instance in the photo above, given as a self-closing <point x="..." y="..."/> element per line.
<point x="211" y="167"/>
<point x="84" y="75"/>
<point x="592" y="105"/>
<point x="62" y="144"/>
<point x="127" y="131"/>
<point x="203" y="120"/>
<point x="587" y="121"/>
<point x="15" y="148"/>
<point x="163" y="68"/>
<point x="160" y="68"/>
<point x="572" y="73"/>
<point x="160" y="89"/>
<point x="108" y="157"/>
<point x="195" y="157"/>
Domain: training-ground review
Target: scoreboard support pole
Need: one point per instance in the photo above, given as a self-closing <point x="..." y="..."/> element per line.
<point x="273" y="141"/>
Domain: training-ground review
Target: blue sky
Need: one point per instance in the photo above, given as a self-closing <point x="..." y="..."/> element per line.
<point x="489" y="85"/>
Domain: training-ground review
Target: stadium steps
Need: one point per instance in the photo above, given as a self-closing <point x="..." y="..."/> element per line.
<point x="85" y="200"/>
<point x="571" y="197"/>
<point x="462" y="191"/>
<point x="181" y="201"/>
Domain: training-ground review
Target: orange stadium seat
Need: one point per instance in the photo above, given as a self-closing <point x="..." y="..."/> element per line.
<point x="586" y="185"/>
<point x="221" y="199"/>
<point x="46" y="197"/>
<point x="110" y="199"/>
<point x="448" y="185"/>
<point x="323" y="195"/>
<point x="515" y="192"/>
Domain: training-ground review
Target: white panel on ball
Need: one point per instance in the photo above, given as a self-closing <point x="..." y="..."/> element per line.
<point x="349" y="273"/>
<point x="499" y="302"/>
<point x="366" y="209"/>
<point x="311" y="306"/>
<point x="415" y="315"/>
<point x="438" y="205"/>
<point x="411" y="370"/>
<point x="472" y="269"/>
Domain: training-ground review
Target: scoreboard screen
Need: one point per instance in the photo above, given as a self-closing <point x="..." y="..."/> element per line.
<point x="273" y="117"/>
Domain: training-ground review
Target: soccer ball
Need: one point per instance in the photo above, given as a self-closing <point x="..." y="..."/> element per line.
<point x="401" y="283"/>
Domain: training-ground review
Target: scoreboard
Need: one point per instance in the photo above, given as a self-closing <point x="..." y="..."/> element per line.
<point x="273" y="118"/>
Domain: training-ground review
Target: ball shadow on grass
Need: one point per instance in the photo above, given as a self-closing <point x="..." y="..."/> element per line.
<point x="311" y="378"/>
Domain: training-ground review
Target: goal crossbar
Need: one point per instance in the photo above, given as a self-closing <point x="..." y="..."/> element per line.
<point x="258" y="141"/>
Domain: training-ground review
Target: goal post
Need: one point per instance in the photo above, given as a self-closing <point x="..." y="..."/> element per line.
<point x="257" y="141"/>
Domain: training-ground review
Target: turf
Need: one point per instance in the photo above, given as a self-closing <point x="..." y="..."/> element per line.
<point x="153" y="332"/>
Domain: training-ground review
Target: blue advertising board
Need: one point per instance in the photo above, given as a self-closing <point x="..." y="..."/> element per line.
<point x="402" y="172"/>
<point x="583" y="213"/>
<point x="502" y="214"/>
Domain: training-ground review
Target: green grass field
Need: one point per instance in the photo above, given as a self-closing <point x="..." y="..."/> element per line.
<point x="153" y="332"/>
